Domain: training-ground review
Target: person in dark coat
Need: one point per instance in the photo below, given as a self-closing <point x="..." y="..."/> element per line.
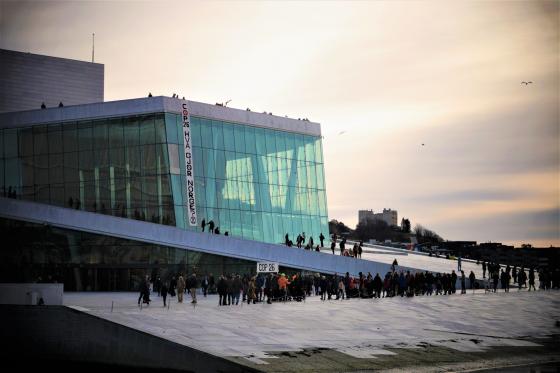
<point x="144" y="291"/>
<point x="163" y="292"/>
<point x="321" y="238"/>
<point x="222" y="291"/>
<point x="203" y="224"/>
<point x="211" y="226"/>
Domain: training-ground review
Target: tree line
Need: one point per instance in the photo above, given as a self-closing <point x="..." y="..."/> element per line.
<point x="381" y="231"/>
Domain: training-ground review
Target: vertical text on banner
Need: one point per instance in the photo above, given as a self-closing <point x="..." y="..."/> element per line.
<point x="191" y="200"/>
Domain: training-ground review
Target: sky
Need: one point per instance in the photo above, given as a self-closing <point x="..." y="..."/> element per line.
<point x="437" y="123"/>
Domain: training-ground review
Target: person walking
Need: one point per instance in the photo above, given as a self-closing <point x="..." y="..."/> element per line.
<point x="483" y="269"/>
<point x="144" y="291"/>
<point x="211" y="226"/>
<point x="333" y="246"/>
<point x="203" y="224"/>
<point x="204" y="285"/>
<point x="180" y="289"/>
<point x="463" y="287"/>
<point x="192" y="285"/>
<point x="163" y="292"/>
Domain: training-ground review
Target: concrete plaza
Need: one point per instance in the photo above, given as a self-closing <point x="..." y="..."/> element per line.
<point x="261" y="335"/>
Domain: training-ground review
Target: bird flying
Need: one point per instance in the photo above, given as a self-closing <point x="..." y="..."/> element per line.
<point x="526" y="83"/>
<point x="341" y="132"/>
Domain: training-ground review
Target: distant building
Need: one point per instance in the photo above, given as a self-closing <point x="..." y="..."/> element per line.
<point x="388" y="216"/>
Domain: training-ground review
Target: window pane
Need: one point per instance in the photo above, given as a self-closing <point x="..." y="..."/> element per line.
<point x="260" y="141"/>
<point x="149" y="160"/>
<point x="239" y="135"/>
<point x="147" y="130"/>
<point x="195" y="132"/>
<point x="229" y="142"/>
<point x="100" y="135"/>
<point x="270" y="142"/>
<point x="131" y="132"/>
<point x="162" y="159"/>
<point x="41" y="163"/>
<point x="40" y="140"/>
<point x="117" y="159"/>
<point x="57" y="195"/>
<point x="206" y="133"/>
<point x="116" y="138"/>
<point x="25" y="142"/>
<point x="27" y="171"/>
<point x="159" y="124"/>
<point x="133" y="163"/>
<point x="250" y="146"/>
<point x="10" y="143"/>
<point x="70" y="134"/>
<point x="12" y="172"/>
<point x="85" y="135"/>
<point x="86" y="165"/>
<point x="55" y="141"/>
<point x="171" y="128"/>
<point x="218" y="135"/>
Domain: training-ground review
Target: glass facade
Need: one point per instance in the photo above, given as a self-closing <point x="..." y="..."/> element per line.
<point x="116" y="166"/>
<point x="86" y="261"/>
<point x="253" y="182"/>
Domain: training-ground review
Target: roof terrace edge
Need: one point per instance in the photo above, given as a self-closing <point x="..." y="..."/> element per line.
<point x="145" y="105"/>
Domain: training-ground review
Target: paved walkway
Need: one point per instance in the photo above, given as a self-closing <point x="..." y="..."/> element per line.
<point x="357" y="327"/>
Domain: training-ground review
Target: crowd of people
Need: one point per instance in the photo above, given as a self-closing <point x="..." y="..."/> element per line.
<point x="234" y="289"/>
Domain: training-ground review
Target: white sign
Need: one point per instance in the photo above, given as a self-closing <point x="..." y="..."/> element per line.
<point x="269" y="267"/>
<point x="190" y="197"/>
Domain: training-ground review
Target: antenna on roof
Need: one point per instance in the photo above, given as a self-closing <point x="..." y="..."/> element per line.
<point x="93" y="48"/>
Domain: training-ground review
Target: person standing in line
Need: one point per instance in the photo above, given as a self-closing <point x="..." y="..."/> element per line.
<point x="463" y="287"/>
<point x="163" y="292"/>
<point x="237" y="287"/>
<point x="203" y="224"/>
<point x="251" y="291"/>
<point x="222" y="291"/>
<point x="483" y="269"/>
<point x="360" y="249"/>
<point x="472" y="279"/>
<point x="321" y="238"/>
<point x="495" y="279"/>
<point x="211" y="226"/>
<point x="532" y="279"/>
<point x="180" y="289"/>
